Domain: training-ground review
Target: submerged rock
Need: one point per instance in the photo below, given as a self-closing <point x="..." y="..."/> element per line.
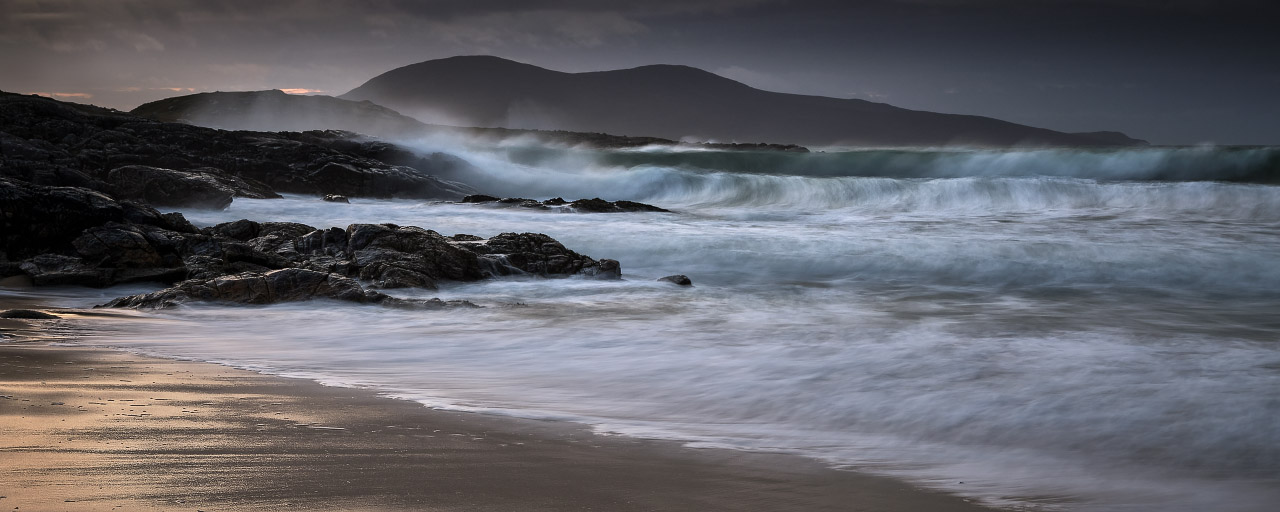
<point x="27" y="314"/>
<point x="679" y="279"/>
<point x="335" y="198"/>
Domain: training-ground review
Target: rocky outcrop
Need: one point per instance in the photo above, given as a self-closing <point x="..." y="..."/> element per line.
<point x="76" y="236"/>
<point x="40" y="219"/>
<point x="286" y="285"/>
<point x="47" y="142"/>
<point x="595" y="205"/>
<point x="335" y="198"/>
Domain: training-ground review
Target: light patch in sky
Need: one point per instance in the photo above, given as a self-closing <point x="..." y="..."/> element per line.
<point x="302" y="91"/>
<point x="81" y="95"/>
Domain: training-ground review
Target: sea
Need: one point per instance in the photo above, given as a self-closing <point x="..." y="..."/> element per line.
<point x="1034" y="329"/>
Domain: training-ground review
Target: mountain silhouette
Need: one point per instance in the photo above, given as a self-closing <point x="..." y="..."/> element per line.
<point x="274" y="110"/>
<point x="678" y="102"/>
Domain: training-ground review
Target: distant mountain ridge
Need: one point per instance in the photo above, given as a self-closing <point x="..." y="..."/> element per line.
<point x="678" y="102"/>
<point x="276" y="111"/>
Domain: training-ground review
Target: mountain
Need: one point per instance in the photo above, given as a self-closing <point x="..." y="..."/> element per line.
<point x="678" y="102"/>
<point x="276" y="111"/>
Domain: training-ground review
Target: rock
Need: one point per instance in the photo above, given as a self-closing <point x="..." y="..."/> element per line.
<point x="242" y="230"/>
<point x="286" y="285"/>
<point x="49" y="142"/>
<point x="479" y="198"/>
<point x="199" y="187"/>
<point x="597" y="205"/>
<point x="77" y="236"/>
<point x="390" y="256"/>
<point x="679" y="279"/>
<point x="592" y="205"/>
<point x="27" y="314"/>
<point x="58" y="269"/>
<point x="632" y="206"/>
<point x="538" y="254"/>
<point x="521" y="202"/>
<point x="335" y="198"/>
<point x="38" y="219"/>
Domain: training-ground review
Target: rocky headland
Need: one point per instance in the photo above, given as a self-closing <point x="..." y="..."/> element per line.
<point x="79" y="186"/>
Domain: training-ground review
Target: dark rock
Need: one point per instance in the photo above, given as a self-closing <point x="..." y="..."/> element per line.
<point x="38" y="219"/>
<point x="124" y="246"/>
<point x="390" y="256"/>
<point x="242" y="230"/>
<point x="327" y="242"/>
<point x="597" y="205"/>
<point x="521" y="202"/>
<point x="176" y="222"/>
<point x="538" y="254"/>
<point x="286" y="285"/>
<point x="28" y="314"/>
<point x="592" y="205"/>
<point x="50" y="142"/>
<point x="679" y="279"/>
<point x="198" y="188"/>
<point x="463" y="237"/>
<point x="632" y="206"/>
<point x="58" y="269"/>
<point x="335" y="198"/>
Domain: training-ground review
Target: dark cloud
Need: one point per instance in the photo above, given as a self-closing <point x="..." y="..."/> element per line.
<point x="1180" y="71"/>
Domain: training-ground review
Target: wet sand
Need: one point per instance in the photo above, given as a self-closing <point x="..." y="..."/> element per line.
<point x="99" y="429"/>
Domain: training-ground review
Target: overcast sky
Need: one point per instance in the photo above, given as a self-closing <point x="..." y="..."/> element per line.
<point x="1172" y="72"/>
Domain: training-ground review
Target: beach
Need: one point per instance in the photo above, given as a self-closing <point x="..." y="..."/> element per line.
<point x="101" y="429"/>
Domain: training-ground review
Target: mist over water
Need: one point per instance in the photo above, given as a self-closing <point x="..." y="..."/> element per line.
<point x="1045" y="329"/>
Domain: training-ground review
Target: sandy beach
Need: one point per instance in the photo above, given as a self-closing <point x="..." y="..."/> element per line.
<point x="100" y="429"/>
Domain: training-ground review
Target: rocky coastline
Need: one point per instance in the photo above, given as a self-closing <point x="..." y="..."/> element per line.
<point x="79" y="187"/>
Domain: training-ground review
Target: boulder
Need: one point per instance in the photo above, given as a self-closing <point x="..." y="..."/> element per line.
<point x="335" y="198"/>
<point x="390" y="256"/>
<point x="679" y="279"/>
<point x="39" y="219"/>
<point x="204" y="187"/>
<point x="597" y="205"/>
<point x="537" y="254"/>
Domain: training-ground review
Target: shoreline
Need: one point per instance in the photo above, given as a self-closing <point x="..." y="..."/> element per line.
<point x="102" y="429"/>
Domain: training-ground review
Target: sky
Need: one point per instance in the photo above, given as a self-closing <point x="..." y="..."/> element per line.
<point x="1170" y="72"/>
